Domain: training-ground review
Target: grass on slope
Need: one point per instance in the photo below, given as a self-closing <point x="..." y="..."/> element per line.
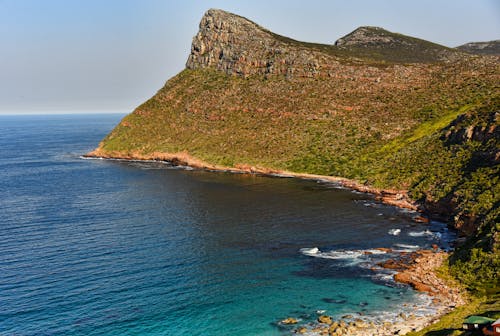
<point x="404" y="49"/>
<point x="389" y="134"/>
<point x="451" y="323"/>
<point x="425" y="129"/>
<point x="349" y="126"/>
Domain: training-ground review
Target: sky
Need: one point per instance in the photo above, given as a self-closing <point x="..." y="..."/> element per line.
<point x="97" y="56"/>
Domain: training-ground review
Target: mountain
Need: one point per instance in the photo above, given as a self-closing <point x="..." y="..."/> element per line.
<point x="235" y="45"/>
<point x="379" y="43"/>
<point x="389" y="111"/>
<point x="482" y="48"/>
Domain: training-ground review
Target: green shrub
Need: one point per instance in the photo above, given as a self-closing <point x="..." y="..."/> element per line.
<point x="478" y="270"/>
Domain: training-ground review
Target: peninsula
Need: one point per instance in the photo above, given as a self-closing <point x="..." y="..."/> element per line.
<point x="414" y="121"/>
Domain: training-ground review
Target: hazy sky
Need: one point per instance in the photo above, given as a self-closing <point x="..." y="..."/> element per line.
<point x="111" y="55"/>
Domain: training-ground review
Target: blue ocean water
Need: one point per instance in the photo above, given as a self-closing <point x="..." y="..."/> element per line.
<point x="96" y="247"/>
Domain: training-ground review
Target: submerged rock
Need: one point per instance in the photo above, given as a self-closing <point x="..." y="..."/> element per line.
<point x="325" y="319"/>
<point x="290" y="320"/>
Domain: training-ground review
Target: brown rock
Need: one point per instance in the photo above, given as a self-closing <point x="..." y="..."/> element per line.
<point x="420" y="219"/>
<point x="393" y="264"/>
<point x="289" y="320"/>
<point x="402" y="278"/>
<point x="320" y="330"/>
<point x="334" y="326"/>
<point x="238" y="46"/>
<point x="301" y="330"/>
<point x="384" y="249"/>
<point x="325" y="319"/>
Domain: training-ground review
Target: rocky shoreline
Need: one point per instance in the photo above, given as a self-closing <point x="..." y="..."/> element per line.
<point x="398" y="198"/>
<point x="416" y="269"/>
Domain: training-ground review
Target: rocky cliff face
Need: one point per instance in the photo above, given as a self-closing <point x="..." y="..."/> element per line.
<point x="235" y="45"/>
<point x="465" y="128"/>
<point x="482" y="48"/>
<point x="480" y="132"/>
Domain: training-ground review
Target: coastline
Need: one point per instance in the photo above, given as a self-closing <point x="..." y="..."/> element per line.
<point x="418" y="271"/>
<point x="398" y="198"/>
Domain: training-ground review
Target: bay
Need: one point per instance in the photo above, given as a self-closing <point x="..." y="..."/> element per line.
<point x="102" y="247"/>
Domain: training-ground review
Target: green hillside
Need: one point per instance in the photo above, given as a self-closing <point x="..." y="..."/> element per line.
<point x="428" y="126"/>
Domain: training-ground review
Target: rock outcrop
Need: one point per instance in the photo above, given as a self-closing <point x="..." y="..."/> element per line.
<point x="373" y="37"/>
<point x="238" y="46"/>
<point x="417" y="270"/>
<point x="482" y="48"/>
<point x="395" y="47"/>
<point x="419" y="273"/>
<point x="464" y="128"/>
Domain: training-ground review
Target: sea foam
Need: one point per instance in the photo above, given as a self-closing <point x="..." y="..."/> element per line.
<point x="334" y="254"/>
<point x="394" y="232"/>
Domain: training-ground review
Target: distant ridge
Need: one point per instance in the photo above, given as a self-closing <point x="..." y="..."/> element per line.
<point x="236" y="45"/>
<point x="383" y="44"/>
<point x="482" y="48"/>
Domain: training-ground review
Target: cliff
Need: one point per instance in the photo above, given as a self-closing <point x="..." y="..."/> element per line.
<point x="235" y="45"/>
<point x="387" y="110"/>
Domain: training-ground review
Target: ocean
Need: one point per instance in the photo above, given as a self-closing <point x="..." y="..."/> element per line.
<point x="104" y="247"/>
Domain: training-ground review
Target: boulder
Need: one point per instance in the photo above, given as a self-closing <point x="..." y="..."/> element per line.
<point x="420" y="219"/>
<point x="301" y="330"/>
<point x="289" y="320"/>
<point x="325" y="319"/>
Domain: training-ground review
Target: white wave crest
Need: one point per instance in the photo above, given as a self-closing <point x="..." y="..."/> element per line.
<point x="384" y="276"/>
<point x="394" y="232"/>
<point x="426" y="233"/>
<point x="373" y="251"/>
<point x="406" y="248"/>
<point x="309" y="251"/>
<point x="335" y="254"/>
<point x="420" y="233"/>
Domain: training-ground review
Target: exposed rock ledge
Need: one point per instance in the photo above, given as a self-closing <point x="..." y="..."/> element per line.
<point x="398" y="198"/>
<point x="237" y="46"/>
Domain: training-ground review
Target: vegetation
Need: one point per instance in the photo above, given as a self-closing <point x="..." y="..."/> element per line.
<point x="388" y="137"/>
<point x="429" y="128"/>
<point x="451" y="323"/>
<point x="404" y="49"/>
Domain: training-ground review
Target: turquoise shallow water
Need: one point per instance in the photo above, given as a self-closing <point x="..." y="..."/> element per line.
<point x="94" y="247"/>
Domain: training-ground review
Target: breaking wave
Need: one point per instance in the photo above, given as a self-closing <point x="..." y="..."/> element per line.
<point x="425" y="233"/>
<point x="394" y="232"/>
<point x="335" y="254"/>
